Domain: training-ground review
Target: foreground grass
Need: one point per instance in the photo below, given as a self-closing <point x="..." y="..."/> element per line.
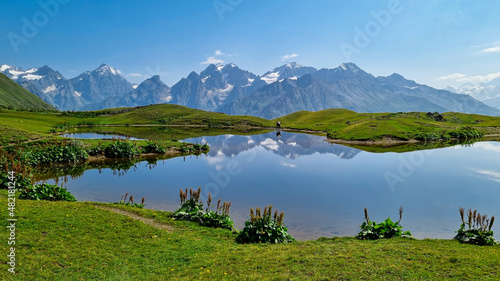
<point x="77" y="241"/>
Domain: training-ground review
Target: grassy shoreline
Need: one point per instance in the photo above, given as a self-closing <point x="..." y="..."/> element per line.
<point x="80" y="241"/>
<point x="341" y="124"/>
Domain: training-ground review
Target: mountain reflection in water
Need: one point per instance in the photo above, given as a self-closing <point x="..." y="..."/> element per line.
<point x="287" y="145"/>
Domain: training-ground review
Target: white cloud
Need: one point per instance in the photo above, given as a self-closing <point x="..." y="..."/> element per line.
<point x="215" y="58"/>
<point x="488" y="146"/>
<point x="290" y="56"/>
<point x="284" y="164"/>
<point x="453" y="76"/>
<point x="134" y="75"/>
<point x="490" y="50"/>
<point x="212" y="60"/>
<point x="270" y="144"/>
<point x="459" y="77"/>
<point x="491" y="175"/>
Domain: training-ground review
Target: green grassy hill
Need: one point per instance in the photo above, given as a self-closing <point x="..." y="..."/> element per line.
<point x="14" y="96"/>
<point x="348" y="125"/>
<point x="340" y="124"/>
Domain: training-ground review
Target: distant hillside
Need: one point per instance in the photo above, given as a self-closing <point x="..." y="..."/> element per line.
<point x="13" y="95"/>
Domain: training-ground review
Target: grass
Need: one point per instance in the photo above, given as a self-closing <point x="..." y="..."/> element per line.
<point x="12" y="95"/>
<point x="349" y="125"/>
<point x="78" y="241"/>
<point x="18" y="126"/>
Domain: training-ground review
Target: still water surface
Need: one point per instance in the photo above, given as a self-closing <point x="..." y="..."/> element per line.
<point x="322" y="187"/>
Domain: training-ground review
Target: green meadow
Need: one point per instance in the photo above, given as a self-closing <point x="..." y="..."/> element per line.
<point x="87" y="240"/>
<point x="82" y="241"/>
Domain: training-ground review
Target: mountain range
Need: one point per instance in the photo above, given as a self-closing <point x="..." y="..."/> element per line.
<point x="229" y="89"/>
<point x="287" y="145"/>
<point x="487" y="92"/>
<point x="14" y="96"/>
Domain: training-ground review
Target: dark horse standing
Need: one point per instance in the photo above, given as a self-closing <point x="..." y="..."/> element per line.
<point x="278" y="129"/>
<point x="278" y="125"/>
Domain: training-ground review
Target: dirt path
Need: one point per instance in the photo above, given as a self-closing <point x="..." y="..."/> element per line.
<point x="135" y="216"/>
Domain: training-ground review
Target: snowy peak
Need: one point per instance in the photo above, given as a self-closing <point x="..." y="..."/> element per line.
<point x="342" y="72"/>
<point x="288" y="70"/>
<point x="4" y="67"/>
<point x="349" y="66"/>
<point x="152" y="87"/>
<point x="293" y="65"/>
<point x="105" y="69"/>
<point x="487" y="92"/>
<point x="34" y="73"/>
<point x="220" y="76"/>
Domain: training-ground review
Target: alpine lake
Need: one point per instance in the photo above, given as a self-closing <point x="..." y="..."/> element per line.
<point x="322" y="187"/>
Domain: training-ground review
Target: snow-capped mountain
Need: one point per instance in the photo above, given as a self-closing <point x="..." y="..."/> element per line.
<point x="287" y="145"/>
<point x="213" y="87"/>
<point x="289" y="70"/>
<point x="488" y="92"/>
<point x="150" y="91"/>
<point x="227" y="88"/>
<point x="348" y="86"/>
<point x="88" y="88"/>
<point x="48" y="84"/>
<point x="100" y="84"/>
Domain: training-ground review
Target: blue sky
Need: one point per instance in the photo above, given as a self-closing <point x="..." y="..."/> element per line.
<point x="432" y="42"/>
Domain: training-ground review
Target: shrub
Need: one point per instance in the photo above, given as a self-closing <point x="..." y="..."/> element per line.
<point x="96" y="150"/>
<point x="427" y="136"/>
<point x="121" y="149"/>
<point x="53" y="153"/>
<point x="371" y="230"/>
<point x="218" y="218"/>
<point x="165" y="120"/>
<point x="478" y="230"/>
<point x="466" y="133"/>
<point x="265" y="228"/>
<point x="46" y="191"/>
<point x="191" y="209"/>
<point x="153" y="147"/>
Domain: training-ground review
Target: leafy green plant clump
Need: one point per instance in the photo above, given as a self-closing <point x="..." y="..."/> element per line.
<point x="466" y="133"/>
<point x="264" y="228"/>
<point x="48" y="192"/>
<point x="122" y="149"/>
<point x="153" y="147"/>
<point x="371" y="230"/>
<point x="56" y="152"/>
<point x="192" y="210"/>
<point x="195" y="148"/>
<point x="218" y="218"/>
<point x="478" y="231"/>
<point x="123" y="201"/>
